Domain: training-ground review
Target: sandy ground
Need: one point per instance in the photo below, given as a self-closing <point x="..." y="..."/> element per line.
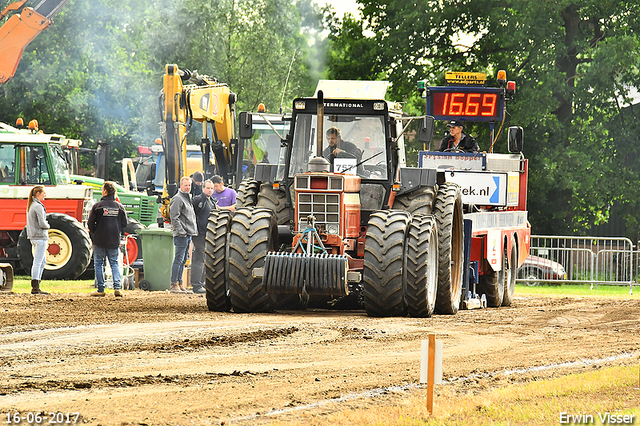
<point x="157" y="358"/>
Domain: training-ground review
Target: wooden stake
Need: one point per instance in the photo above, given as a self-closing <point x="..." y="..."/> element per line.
<point x="431" y="372"/>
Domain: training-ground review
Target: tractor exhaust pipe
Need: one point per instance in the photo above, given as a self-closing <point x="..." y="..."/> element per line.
<point x="320" y="123"/>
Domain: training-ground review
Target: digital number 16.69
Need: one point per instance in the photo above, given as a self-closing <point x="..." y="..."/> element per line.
<point x="466" y="104"/>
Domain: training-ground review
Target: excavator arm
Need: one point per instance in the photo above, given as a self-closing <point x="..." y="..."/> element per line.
<point x="208" y="102"/>
<point x="20" y="30"/>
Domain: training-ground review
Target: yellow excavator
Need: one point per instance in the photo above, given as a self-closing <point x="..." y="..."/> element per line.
<point x="187" y="97"/>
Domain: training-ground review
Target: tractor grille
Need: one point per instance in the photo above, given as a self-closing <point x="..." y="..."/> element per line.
<point x="325" y="207"/>
<point x="148" y="211"/>
<point x="86" y="209"/>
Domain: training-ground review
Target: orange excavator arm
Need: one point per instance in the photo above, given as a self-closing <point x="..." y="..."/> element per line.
<point x="20" y="30"/>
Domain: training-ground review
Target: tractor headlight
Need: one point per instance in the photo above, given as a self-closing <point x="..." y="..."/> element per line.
<point x="333" y="228"/>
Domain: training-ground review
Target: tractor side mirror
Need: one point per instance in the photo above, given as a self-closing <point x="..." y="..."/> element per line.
<point x="425" y="133"/>
<point x="516" y="139"/>
<point x="246" y="126"/>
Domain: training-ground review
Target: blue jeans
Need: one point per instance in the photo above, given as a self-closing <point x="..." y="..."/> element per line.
<point x="99" y="254"/>
<point x="181" y="245"/>
<point x="39" y="258"/>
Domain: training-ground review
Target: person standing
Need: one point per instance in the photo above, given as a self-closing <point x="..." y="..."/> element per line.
<point x="183" y="222"/>
<point x="225" y="197"/>
<point x="38" y="235"/>
<point x="107" y="222"/>
<point x="202" y="206"/>
<point x="196" y="183"/>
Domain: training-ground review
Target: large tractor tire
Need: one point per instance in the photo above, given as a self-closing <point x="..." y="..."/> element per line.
<point x="68" y="249"/>
<point x="275" y="201"/>
<point x="216" y="266"/>
<point x="448" y="215"/>
<point x="419" y="201"/>
<point x="247" y="193"/>
<point x="422" y="266"/>
<point x="510" y="276"/>
<point x="254" y="232"/>
<point x="134" y="242"/>
<point x="384" y="263"/>
<point x="492" y="284"/>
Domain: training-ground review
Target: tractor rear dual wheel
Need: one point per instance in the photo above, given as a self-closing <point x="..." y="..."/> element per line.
<point x="384" y="263"/>
<point x="68" y="249"/>
<point x="216" y="261"/>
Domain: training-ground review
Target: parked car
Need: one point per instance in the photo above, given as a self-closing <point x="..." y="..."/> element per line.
<point x="540" y="269"/>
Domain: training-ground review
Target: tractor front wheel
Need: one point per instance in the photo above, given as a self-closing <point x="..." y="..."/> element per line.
<point x="215" y="250"/>
<point x="448" y="215"/>
<point x="247" y="193"/>
<point x="274" y="200"/>
<point x="422" y="266"/>
<point x="384" y="263"/>
<point x="68" y="249"/>
<point x="254" y="232"/>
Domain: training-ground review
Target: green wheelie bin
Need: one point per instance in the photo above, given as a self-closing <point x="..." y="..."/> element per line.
<point x="158" y="253"/>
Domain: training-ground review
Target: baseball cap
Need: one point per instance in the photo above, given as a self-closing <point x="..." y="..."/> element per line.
<point x="456" y="123"/>
<point x="198" y="176"/>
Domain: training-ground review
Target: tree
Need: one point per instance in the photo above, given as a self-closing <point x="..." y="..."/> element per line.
<point x="96" y="73"/>
<point x="573" y="62"/>
<point x="254" y="46"/>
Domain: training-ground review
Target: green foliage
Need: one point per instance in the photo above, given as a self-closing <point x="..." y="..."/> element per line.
<point x="96" y="73"/>
<point x="572" y="62"/>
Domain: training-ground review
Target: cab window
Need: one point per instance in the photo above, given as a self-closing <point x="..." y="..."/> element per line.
<point x="35" y="169"/>
<point x="7" y="163"/>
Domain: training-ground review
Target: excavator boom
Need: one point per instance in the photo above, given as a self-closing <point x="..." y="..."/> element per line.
<point x="206" y="101"/>
<point x="20" y="30"/>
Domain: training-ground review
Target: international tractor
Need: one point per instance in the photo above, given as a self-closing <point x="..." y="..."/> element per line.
<point x="359" y="225"/>
<point x="493" y="185"/>
<point x="27" y="158"/>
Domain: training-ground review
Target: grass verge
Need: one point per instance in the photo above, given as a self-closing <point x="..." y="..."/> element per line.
<point x="610" y="390"/>
<point x="22" y="284"/>
<point x="584" y="290"/>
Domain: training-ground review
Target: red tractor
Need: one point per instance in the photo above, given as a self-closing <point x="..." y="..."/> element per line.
<point x="28" y="158"/>
<point x="494" y="185"/>
<point x="336" y="224"/>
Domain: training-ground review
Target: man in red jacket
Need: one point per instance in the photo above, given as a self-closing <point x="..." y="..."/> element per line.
<point x="107" y="221"/>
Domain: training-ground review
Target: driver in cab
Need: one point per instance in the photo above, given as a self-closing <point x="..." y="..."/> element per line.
<point x="456" y="140"/>
<point x="339" y="148"/>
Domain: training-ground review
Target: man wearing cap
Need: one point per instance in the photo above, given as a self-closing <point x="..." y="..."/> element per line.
<point x="196" y="189"/>
<point x="456" y="140"/>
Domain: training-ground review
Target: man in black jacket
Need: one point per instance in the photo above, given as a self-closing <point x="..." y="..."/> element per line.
<point x="456" y="140"/>
<point x="202" y="206"/>
<point x="339" y="147"/>
<point x="107" y="221"/>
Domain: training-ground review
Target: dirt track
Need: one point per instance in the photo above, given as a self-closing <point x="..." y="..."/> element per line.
<point x="156" y="358"/>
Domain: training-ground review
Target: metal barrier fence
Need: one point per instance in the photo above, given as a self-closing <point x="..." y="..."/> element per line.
<point x="593" y="260"/>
